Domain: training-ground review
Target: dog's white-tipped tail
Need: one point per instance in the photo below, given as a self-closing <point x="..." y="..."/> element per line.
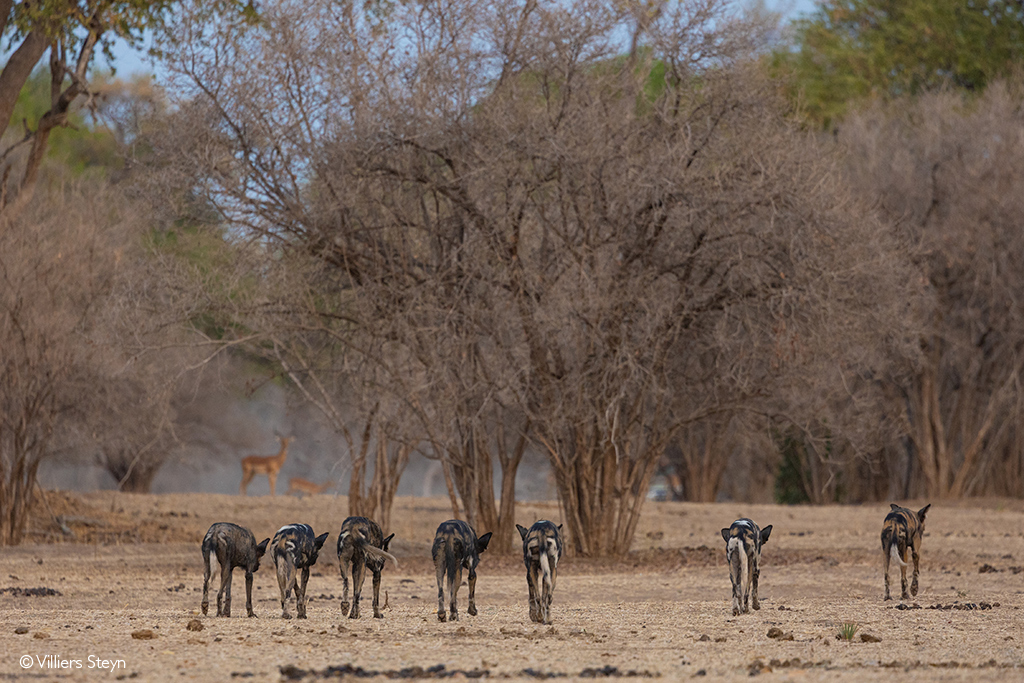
<point x="545" y="568"/>
<point x="380" y="554"/>
<point x="894" y="554"/>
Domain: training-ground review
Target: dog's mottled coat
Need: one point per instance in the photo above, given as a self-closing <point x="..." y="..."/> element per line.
<point x="542" y="548"/>
<point x="234" y="546"/>
<point x="902" y="531"/>
<point x="295" y="550"/>
<point x="456" y="546"/>
<point x="743" y="541"/>
<point x="361" y="545"/>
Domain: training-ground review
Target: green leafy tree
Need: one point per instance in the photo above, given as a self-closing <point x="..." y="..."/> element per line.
<point x="73" y="31"/>
<point x="849" y="50"/>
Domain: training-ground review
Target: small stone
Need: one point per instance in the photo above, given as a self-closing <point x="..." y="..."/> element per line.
<point x="194" y="625"/>
<point x="704" y="638"/>
<point x="21" y="630"/>
<point x="775" y="632"/>
<point x="40" y="635"/>
<point x="868" y="638"/>
<point x="144" y="634"/>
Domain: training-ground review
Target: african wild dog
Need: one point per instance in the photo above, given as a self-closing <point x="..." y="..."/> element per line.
<point x="902" y="531"/>
<point x="542" y="548"/>
<point x="743" y="541"/>
<point x="456" y="546"/>
<point x="234" y="547"/>
<point x="295" y="551"/>
<point x="361" y="545"/>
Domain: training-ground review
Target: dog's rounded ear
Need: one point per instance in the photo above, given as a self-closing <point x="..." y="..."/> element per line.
<point x="481" y="543"/>
<point x="725" y="535"/>
<point x="921" y="513"/>
<point x="559" y="527"/>
<point x="522" y="531"/>
<point x="387" y="540"/>
<point x="319" y="541"/>
<point x="765" y="533"/>
<point x="894" y="507"/>
<point x="262" y="547"/>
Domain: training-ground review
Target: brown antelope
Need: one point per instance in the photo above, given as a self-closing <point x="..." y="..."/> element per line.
<point x="269" y="465"/>
<point x="299" y="485"/>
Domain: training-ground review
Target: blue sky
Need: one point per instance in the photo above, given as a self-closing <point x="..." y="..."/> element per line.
<point x="130" y="62"/>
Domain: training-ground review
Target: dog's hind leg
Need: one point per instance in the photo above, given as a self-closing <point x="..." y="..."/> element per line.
<point x="300" y="593"/>
<point x="885" y="570"/>
<point x="439" y="566"/>
<point x="531" y="582"/>
<point x="344" y="561"/>
<point x="358" y="575"/>
<point x="472" y="592"/>
<point x="376" y="594"/>
<point x="224" y="596"/>
<point x="248" y="595"/>
<point x="755" y="575"/>
<point x="285" y="581"/>
<point x="917" y="570"/>
<point x="737" y="559"/>
<point x="345" y="605"/>
<point x="545" y="587"/>
<point x="205" y="605"/>
<point x="454" y="582"/>
<point x="904" y="595"/>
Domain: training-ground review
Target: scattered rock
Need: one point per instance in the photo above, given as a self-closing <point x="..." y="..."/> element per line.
<point x="21" y="630"/>
<point x="964" y="606"/>
<point x="778" y="634"/>
<point x="41" y="592"/>
<point x="987" y="569"/>
<point x="701" y="672"/>
<point x="41" y="635"/>
<point x="704" y="638"/>
<point x="144" y="634"/>
<point x="758" y="667"/>
<point x="194" y="625"/>
<point x="720" y="639"/>
<point x="868" y="638"/>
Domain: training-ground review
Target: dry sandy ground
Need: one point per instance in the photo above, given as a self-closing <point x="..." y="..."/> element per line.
<point x="664" y="611"/>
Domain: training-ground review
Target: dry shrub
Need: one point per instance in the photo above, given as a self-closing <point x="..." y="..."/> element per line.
<point x="948" y="172"/>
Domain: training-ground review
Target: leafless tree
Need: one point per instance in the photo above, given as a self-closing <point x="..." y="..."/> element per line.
<point x="58" y="270"/>
<point x="523" y="229"/>
<point x="948" y="172"/>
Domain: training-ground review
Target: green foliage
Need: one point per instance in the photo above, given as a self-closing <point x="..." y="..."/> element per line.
<point x="850" y="50"/>
<point x="847" y="631"/>
<point x="201" y="247"/>
<point x="126" y="19"/>
<point x="79" y="146"/>
<point x="789" y="482"/>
